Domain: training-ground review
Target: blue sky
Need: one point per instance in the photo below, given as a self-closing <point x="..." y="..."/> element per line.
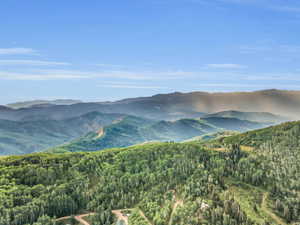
<point x="107" y="50"/>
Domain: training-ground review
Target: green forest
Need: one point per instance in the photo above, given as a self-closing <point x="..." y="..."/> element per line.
<point x="245" y="179"/>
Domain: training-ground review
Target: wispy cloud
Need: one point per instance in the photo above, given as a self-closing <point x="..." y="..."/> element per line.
<point x="270" y="48"/>
<point x="17" y="51"/>
<point x="275" y="77"/>
<point x="110" y="65"/>
<point x="128" y="86"/>
<point x="252" y="86"/>
<point x="52" y="74"/>
<point x="33" y="63"/>
<point x="226" y="66"/>
<point x="254" y="49"/>
<point x="40" y="76"/>
<point x="278" y="5"/>
<point x="285" y="8"/>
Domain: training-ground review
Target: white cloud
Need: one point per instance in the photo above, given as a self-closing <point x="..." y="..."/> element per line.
<point x="32" y="63"/>
<point x="39" y="76"/>
<point x="129" y="86"/>
<point x="271" y="48"/>
<point x="279" y="5"/>
<point x="253" y="86"/>
<point x="52" y="74"/>
<point x="254" y="49"/>
<point x="275" y="77"/>
<point x="287" y="9"/>
<point x="17" y="51"/>
<point x="226" y="66"/>
<point x="109" y="65"/>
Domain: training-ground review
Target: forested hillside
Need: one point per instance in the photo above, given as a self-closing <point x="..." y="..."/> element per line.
<point x="135" y="130"/>
<point x="283" y="134"/>
<point x="159" y="184"/>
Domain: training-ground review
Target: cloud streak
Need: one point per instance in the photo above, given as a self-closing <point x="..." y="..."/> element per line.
<point x="32" y="63"/>
<point x="279" y="5"/>
<point x="129" y="86"/>
<point x="226" y="66"/>
<point x="17" y="51"/>
<point x="52" y="74"/>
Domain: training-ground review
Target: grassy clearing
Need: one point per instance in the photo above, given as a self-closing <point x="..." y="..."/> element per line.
<point x="246" y="148"/>
<point x="253" y="201"/>
<point x="249" y="200"/>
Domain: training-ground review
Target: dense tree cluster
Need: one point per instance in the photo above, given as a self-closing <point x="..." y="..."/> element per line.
<point x="168" y="183"/>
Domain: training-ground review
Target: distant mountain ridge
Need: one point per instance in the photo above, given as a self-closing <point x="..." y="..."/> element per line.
<point x="5" y="108"/>
<point x="174" y="106"/>
<point x="28" y="104"/>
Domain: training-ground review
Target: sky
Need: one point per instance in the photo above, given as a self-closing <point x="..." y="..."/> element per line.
<point x="107" y="50"/>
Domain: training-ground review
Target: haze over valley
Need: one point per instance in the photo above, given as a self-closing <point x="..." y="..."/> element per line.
<point x="39" y="125"/>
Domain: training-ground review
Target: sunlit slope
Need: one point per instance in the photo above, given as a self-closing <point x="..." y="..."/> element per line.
<point x="284" y="134"/>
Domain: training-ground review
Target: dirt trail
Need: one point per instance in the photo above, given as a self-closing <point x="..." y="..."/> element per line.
<point x="120" y="216"/>
<point x="264" y="207"/>
<point x="100" y="133"/>
<point x="79" y="218"/>
<point x="177" y="203"/>
<point x="143" y="215"/>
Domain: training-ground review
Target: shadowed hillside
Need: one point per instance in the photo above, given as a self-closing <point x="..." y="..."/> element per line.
<point x="31" y="136"/>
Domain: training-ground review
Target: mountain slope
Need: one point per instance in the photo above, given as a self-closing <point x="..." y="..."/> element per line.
<point x="281" y="135"/>
<point x="31" y="136"/>
<point x="133" y="130"/>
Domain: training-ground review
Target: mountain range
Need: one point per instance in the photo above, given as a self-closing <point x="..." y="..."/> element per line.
<point x="171" y="106"/>
<point x="95" y="131"/>
<point x="76" y="126"/>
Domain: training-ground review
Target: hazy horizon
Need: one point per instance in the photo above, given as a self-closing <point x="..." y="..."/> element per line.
<point x="87" y="100"/>
<point x="116" y="50"/>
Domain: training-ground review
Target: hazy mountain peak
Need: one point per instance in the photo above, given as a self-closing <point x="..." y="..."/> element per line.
<point x="41" y="103"/>
<point x="5" y="108"/>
